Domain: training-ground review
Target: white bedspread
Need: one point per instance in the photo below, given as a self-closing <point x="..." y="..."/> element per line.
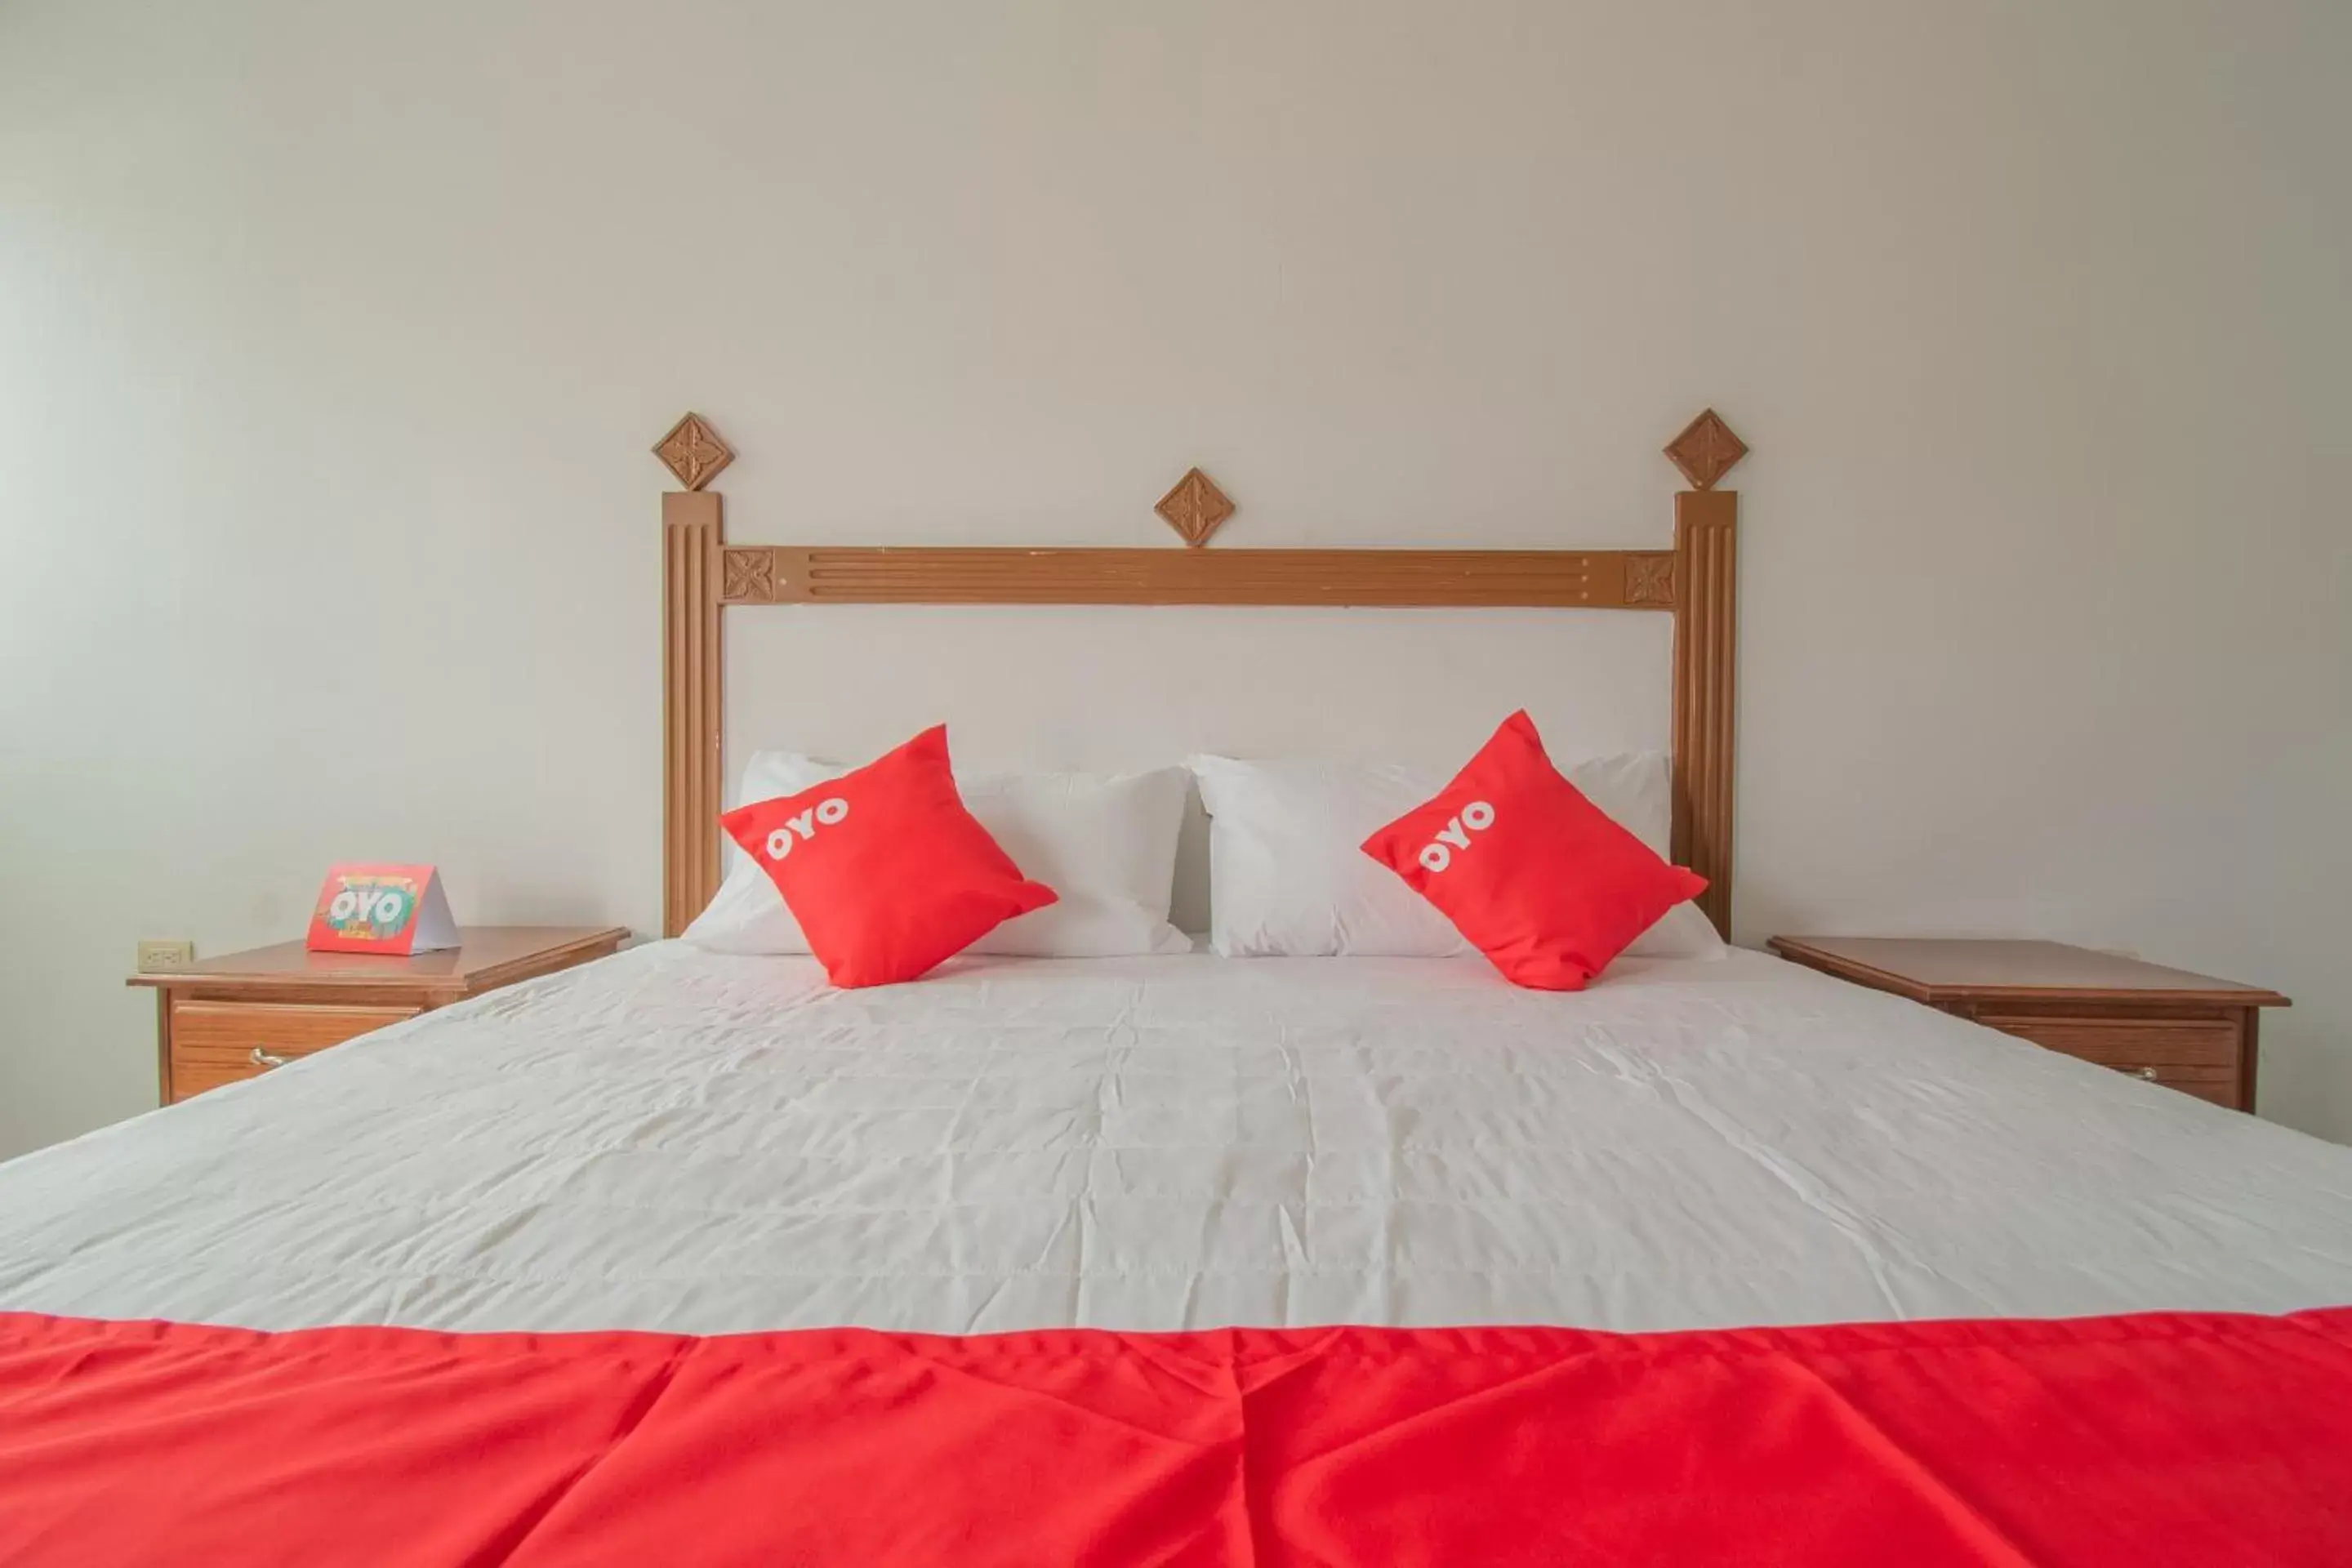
<point x="672" y="1140"/>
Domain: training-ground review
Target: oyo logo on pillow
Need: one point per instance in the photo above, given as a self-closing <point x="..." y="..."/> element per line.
<point x="823" y="814"/>
<point x="1438" y="854"/>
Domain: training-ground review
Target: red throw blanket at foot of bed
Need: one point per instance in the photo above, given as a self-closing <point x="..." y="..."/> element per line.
<point x="2190" y="1439"/>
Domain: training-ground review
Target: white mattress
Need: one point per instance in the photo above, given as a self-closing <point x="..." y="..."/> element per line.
<point x="672" y="1140"/>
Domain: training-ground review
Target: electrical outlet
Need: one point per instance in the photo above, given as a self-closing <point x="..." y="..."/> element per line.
<point x="166" y="955"/>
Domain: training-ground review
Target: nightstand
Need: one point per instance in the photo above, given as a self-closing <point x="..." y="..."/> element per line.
<point x="2189" y="1032"/>
<point x="238" y="1016"/>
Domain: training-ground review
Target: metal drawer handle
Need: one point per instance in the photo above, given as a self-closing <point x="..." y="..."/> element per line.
<point x="2147" y="1073"/>
<point x="264" y="1061"/>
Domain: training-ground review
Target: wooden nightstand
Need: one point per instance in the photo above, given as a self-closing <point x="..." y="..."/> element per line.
<point x="2189" y="1032"/>
<point x="236" y="1018"/>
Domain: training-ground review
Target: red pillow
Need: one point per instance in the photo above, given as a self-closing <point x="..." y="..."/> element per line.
<point x="886" y="872"/>
<point x="1534" y="876"/>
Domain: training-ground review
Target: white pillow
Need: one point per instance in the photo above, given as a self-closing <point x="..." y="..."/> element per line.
<point x="1104" y="842"/>
<point x="1287" y="876"/>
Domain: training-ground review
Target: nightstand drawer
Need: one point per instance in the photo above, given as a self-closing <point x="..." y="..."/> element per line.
<point x="214" y="1043"/>
<point x="280" y="1029"/>
<point x="2168" y="1045"/>
<point x="2219" y="1085"/>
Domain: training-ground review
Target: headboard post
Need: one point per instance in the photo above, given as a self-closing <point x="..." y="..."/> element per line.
<point x="691" y="532"/>
<point x="1707" y="584"/>
<point x="1707" y="537"/>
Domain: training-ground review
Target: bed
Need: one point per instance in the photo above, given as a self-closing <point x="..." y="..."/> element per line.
<point x="687" y="1257"/>
<point x="680" y="1142"/>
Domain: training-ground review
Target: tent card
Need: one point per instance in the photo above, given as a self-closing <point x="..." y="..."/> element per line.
<point x="381" y="909"/>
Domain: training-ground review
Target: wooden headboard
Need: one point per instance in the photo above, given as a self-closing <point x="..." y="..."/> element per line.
<point x="703" y="576"/>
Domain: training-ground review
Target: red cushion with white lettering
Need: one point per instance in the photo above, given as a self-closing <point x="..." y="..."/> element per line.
<point x="886" y="872"/>
<point x="1534" y="875"/>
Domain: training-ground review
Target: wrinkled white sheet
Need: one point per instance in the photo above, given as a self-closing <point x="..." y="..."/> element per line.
<point x="676" y="1140"/>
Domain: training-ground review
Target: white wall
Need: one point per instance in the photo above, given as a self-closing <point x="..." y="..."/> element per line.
<point x="332" y="338"/>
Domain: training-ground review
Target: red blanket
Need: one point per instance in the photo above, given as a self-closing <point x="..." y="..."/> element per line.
<point x="2205" y="1440"/>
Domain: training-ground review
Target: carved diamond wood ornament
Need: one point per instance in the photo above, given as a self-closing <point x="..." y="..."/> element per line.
<point x="693" y="452"/>
<point x="1195" y="508"/>
<point x="1705" y="450"/>
<point x="747" y="576"/>
<point x="1650" y="580"/>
